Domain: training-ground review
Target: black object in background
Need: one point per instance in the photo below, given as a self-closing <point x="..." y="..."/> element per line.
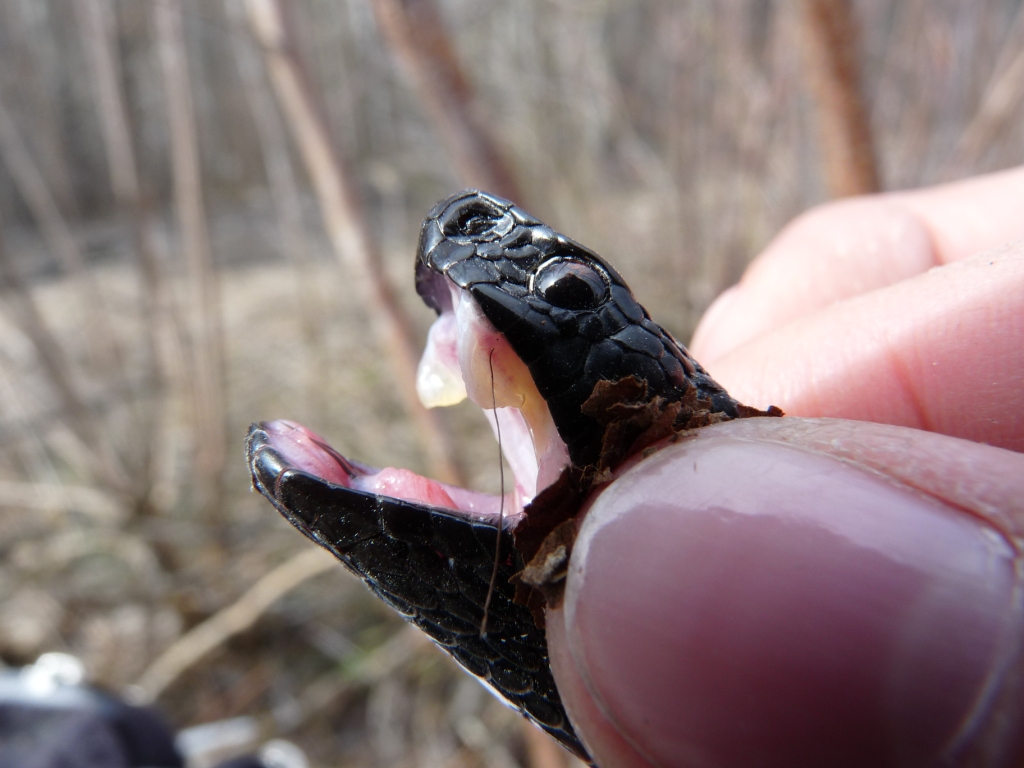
<point x="49" y="720"/>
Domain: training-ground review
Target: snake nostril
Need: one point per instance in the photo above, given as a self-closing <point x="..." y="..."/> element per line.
<point x="475" y="225"/>
<point x="474" y="219"/>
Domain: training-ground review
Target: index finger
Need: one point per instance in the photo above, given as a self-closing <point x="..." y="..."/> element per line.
<point x="942" y="352"/>
<point x="854" y="246"/>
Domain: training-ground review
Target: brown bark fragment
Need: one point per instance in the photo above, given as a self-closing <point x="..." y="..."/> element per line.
<point x="547" y="570"/>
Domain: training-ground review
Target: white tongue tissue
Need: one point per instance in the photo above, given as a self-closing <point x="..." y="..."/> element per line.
<point x="438" y="378"/>
<point x="466" y="356"/>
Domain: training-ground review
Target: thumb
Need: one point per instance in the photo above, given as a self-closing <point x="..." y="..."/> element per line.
<point x="799" y="593"/>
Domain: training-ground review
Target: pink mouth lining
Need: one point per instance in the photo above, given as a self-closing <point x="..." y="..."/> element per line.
<point x="307" y="451"/>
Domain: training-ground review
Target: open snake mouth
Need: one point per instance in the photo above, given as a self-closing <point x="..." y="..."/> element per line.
<point x="464" y="356"/>
<point x="428" y="548"/>
<point x="546" y="337"/>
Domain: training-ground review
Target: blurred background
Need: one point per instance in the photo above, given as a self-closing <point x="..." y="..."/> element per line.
<point x="208" y="216"/>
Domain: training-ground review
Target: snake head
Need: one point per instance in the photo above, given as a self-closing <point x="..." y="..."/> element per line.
<point x="566" y="315"/>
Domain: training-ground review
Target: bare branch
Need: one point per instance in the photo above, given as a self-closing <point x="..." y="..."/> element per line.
<point x="209" y="431"/>
<point x="346" y="227"/>
<point x="95" y="20"/>
<point x="206" y="637"/>
<point x="284" y="193"/>
<point x="833" y="75"/>
<point x="382" y="662"/>
<point x="33" y="188"/>
<point x="102" y="458"/>
<point x="417" y="36"/>
<point x="1002" y="97"/>
<point x="31" y="32"/>
<point x="543" y="751"/>
<point x="79" y="498"/>
<point x="96" y="23"/>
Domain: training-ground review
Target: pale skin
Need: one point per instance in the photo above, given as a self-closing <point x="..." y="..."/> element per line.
<point x="843" y="586"/>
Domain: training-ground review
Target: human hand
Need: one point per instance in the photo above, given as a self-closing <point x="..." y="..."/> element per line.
<point x="807" y="591"/>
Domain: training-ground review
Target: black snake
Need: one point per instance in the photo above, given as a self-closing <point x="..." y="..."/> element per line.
<point x="612" y="383"/>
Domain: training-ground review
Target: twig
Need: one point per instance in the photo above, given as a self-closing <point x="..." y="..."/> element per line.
<point x="18" y="430"/>
<point x="1002" y="96"/>
<point x="32" y="35"/>
<point x="233" y="620"/>
<point x="284" y="192"/>
<point x="102" y="458"/>
<point x="382" y="662"/>
<point x="96" y="23"/>
<point x="543" y="751"/>
<point x="78" y="498"/>
<point x="417" y="36"/>
<point x="33" y="189"/>
<point x="833" y="73"/>
<point x="209" y="432"/>
<point x="346" y="227"/>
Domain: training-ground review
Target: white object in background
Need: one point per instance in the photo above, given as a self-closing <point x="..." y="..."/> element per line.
<point x="279" y="753"/>
<point x="52" y="671"/>
<point x="203" y="746"/>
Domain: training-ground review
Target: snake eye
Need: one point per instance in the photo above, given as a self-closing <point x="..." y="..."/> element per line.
<point x="570" y="284"/>
<point x="476" y="219"/>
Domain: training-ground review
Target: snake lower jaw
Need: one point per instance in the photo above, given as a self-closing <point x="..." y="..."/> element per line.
<point x="430" y="556"/>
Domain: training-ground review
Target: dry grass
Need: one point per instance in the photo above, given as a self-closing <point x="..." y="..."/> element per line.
<point x="675" y="138"/>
